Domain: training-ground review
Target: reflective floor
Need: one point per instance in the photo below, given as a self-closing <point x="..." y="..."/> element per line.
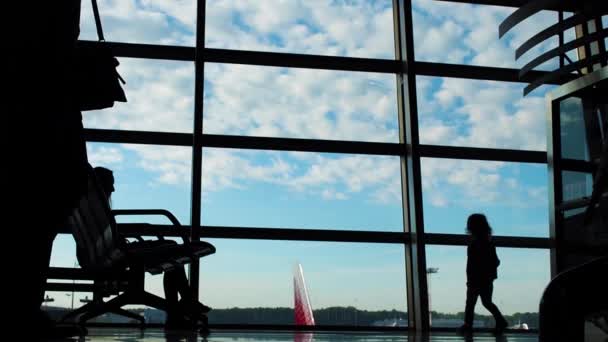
<point x="159" y="335"/>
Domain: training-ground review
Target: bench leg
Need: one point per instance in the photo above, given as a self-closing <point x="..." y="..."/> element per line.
<point x="129" y="314"/>
<point x="75" y="313"/>
<point x="110" y="306"/>
<point x="154" y="301"/>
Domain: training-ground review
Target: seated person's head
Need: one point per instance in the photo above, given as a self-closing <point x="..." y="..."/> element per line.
<point x="106" y="179"/>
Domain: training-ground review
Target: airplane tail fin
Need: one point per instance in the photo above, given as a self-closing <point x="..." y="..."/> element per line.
<point x="303" y="309"/>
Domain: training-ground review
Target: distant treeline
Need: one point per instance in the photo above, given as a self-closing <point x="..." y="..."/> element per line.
<point x="530" y="318"/>
<point x="326" y="316"/>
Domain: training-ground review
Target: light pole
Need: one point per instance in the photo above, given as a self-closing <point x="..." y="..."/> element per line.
<point x="355" y="311"/>
<point x="429" y="271"/>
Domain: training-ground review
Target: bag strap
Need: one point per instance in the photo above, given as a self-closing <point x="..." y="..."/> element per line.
<point x="97" y="21"/>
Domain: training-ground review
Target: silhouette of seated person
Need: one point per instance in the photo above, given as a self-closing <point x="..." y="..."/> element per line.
<point x="482" y="264"/>
<point x="183" y="313"/>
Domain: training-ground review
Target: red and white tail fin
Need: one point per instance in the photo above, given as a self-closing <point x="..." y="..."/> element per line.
<point x="303" y="309"/>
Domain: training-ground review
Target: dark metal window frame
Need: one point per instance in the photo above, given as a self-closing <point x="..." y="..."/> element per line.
<point x="559" y="164"/>
<point x="405" y="69"/>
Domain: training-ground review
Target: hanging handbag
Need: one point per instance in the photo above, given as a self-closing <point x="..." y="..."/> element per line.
<point x="98" y="82"/>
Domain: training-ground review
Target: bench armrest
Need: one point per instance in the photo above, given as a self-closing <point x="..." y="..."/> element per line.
<point x="155" y="212"/>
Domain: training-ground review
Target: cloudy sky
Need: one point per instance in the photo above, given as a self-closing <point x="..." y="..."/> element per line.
<point x="315" y="190"/>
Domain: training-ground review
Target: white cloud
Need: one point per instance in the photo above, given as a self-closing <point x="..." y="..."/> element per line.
<point x="160" y="97"/>
<point x="482" y="114"/>
<point x="445" y="182"/>
<point x="331" y="178"/>
<point x="454" y="32"/>
<point x="231" y="169"/>
<point x="435" y="132"/>
<point x="353" y="28"/>
<point x="479" y="183"/>
<point x="353" y="174"/>
<point x="331" y="194"/>
<point x="147" y="21"/>
<point x="182" y="11"/>
<point x="442" y="40"/>
<point x="173" y="165"/>
<point x="475" y="184"/>
<point x="300" y="103"/>
<point x="104" y="156"/>
<point x="438" y="200"/>
<point x="265" y="101"/>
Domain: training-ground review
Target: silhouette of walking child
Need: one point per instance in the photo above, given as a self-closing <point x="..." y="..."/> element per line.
<point x="180" y="314"/>
<point x="482" y="263"/>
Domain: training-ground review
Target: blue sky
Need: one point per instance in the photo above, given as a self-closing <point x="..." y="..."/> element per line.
<point x="313" y="190"/>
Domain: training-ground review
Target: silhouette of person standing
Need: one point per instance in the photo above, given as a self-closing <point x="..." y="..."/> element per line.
<point x="482" y="263"/>
<point x="47" y="154"/>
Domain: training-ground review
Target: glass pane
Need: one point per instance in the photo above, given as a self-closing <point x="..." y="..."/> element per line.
<point x="576" y="185"/>
<point x="468" y="34"/>
<point x="63" y="253"/>
<point x="460" y="112"/>
<point x="250" y="188"/>
<point x="513" y="196"/>
<point x="338" y="28"/>
<point x="347" y="284"/>
<point x="149" y="22"/>
<point x="300" y="103"/>
<point x="522" y="277"/>
<point x="160" y="97"/>
<point x="572" y="129"/>
<point x="605" y="25"/>
<point x="147" y="177"/>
